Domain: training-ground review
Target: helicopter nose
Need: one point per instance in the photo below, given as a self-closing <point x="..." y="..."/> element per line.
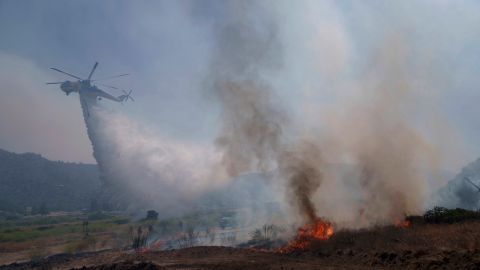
<point x="63" y="86"/>
<point x="66" y="87"/>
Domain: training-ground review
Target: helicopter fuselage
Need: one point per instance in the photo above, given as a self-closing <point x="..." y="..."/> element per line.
<point x="87" y="89"/>
<point x="78" y="86"/>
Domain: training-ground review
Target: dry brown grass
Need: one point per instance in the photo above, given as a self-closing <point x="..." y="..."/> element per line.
<point x="421" y="246"/>
<point x="432" y="237"/>
<point x="70" y="243"/>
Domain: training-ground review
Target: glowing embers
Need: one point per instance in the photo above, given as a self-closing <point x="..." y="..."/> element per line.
<point x="319" y="230"/>
<point x="403" y="223"/>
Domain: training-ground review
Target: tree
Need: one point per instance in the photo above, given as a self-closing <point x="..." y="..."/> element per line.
<point x="42" y="210"/>
<point x="152" y="215"/>
<point x="94" y="205"/>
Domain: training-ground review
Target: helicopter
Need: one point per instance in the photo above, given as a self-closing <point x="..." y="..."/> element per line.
<point x="86" y="89"/>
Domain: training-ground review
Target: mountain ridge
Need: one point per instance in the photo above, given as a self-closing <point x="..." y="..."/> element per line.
<point x="30" y="180"/>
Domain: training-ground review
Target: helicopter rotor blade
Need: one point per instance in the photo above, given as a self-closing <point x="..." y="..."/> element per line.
<point x="127" y="95"/>
<point x="110" y="77"/>
<point x="471" y="182"/>
<point x="54" y="82"/>
<point x="66" y="73"/>
<point x="130" y="97"/>
<point x="93" y="70"/>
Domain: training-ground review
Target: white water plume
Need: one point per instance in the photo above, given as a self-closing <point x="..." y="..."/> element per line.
<point x="143" y="169"/>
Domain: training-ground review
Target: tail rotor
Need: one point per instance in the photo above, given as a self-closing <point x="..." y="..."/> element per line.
<point x="126" y="96"/>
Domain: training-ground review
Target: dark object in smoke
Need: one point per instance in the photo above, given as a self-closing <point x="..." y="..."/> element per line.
<point x="152" y="215"/>
<point x="444" y="215"/>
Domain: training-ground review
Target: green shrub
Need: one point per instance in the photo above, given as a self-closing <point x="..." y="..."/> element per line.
<point x="445" y="215"/>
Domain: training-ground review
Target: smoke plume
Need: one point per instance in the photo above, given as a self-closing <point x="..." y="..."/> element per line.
<point x="302" y="167"/>
<point x="255" y="130"/>
<point x="375" y="133"/>
<point x="354" y="150"/>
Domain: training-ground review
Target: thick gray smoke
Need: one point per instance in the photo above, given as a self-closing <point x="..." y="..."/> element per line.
<point x="256" y="135"/>
<point x="357" y="147"/>
<point x="253" y="123"/>
<point x="378" y="134"/>
<point x="302" y="167"/>
<point x="375" y="132"/>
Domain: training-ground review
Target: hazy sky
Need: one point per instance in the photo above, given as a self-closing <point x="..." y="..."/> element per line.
<point x="163" y="44"/>
<point x="167" y="48"/>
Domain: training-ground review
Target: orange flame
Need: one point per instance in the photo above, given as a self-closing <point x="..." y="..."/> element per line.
<point x="403" y="223"/>
<point x="319" y="230"/>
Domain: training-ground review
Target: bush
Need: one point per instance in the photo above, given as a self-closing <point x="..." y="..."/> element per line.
<point x="152" y="215"/>
<point x="444" y="215"/>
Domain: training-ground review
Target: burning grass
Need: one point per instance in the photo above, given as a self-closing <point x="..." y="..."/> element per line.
<point x="459" y="236"/>
<point x="317" y="230"/>
<point x="419" y="246"/>
<point x="459" y="232"/>
<point x="403" y="223"/>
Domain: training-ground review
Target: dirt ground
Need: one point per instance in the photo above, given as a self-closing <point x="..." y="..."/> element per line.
<point x="455" y="246"/>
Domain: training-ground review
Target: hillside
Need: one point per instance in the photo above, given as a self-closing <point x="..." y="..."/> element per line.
<point x="31" y="180"/>
<point x="458" y="192"/>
